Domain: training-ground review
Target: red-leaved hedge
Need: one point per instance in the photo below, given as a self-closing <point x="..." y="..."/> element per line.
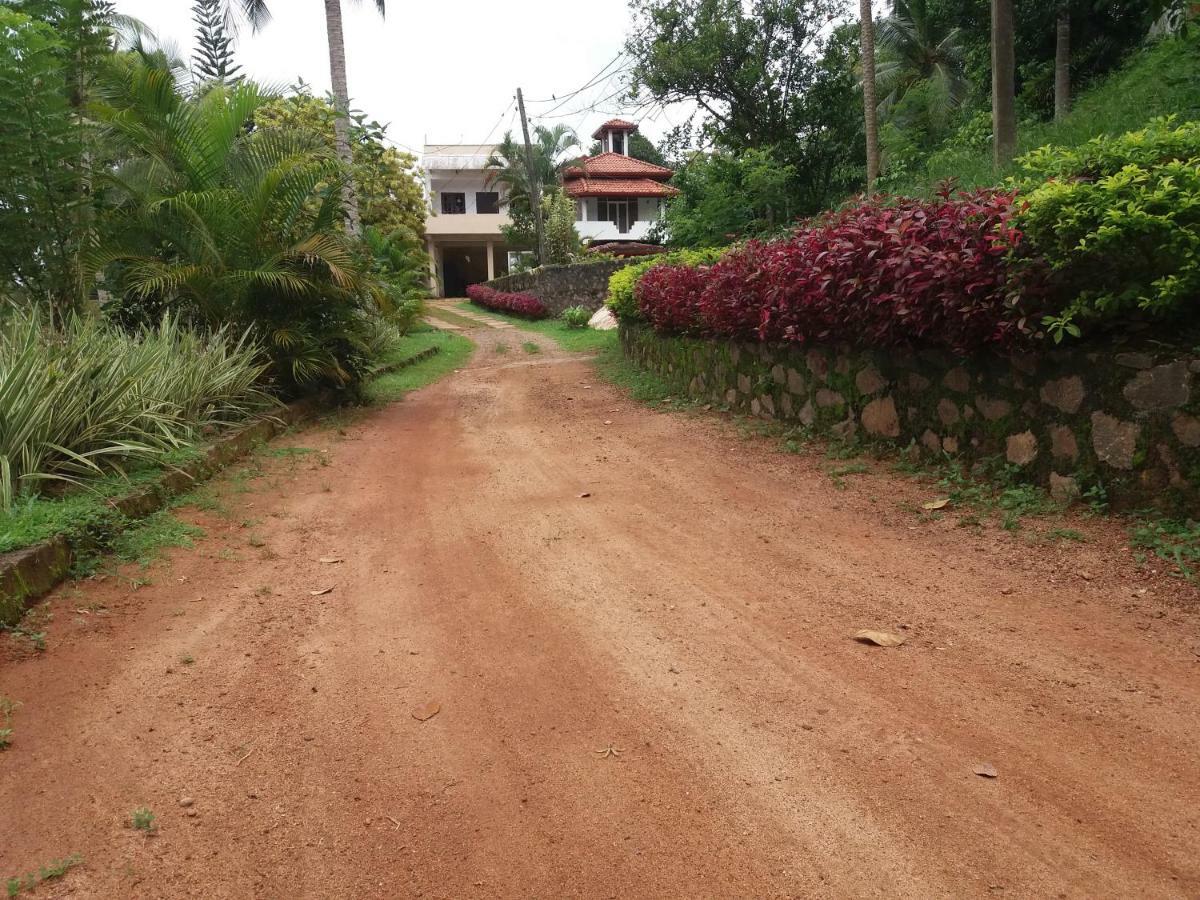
<point x="911" y="273"/>
<point x="508" y="301"/>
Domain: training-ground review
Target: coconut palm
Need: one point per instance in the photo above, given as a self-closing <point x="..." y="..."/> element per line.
<point x="258" y="14"/>
<point x="1004" y="115"/>
<point x="217" y="221"/>
<point x="866" y="26"/>
<point x="552" y="153"/>
<point x="913" y="52"/>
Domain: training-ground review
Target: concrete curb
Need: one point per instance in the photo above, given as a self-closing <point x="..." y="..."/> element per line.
<point x="28" y="573"/>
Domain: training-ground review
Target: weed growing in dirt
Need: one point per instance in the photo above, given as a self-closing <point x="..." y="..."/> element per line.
<point x="187" y="659"/>
<point x="142" y="819"/>
<point x="1065" y="534"/>
<point x="8" y="706"/>
<point x="501" y="348"/>
<point x="145" y="542"/>
<point x="839" y="473"/>
<point x="1176" y="541"/>
<point x="531" y="347"/>
<point x="56" y="868"/>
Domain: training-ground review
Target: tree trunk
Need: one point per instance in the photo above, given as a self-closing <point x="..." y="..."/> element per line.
<point x="870" y="107"/>
<point x="1004" y="117"/>
<point x="1062" y="65"/>
<point x="341" y="123"/>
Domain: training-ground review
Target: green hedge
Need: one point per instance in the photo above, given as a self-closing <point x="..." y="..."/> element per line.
<point x="621" y="284"/>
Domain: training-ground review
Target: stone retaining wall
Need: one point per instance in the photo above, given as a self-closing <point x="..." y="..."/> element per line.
<point x="579" y="284"/>
<point x="1072" y="420"/>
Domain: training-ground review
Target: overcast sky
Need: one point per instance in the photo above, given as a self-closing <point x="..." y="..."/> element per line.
<point x="436" y="71"/>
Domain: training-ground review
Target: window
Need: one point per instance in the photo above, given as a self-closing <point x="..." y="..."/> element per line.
<point x="618" y="142"/>
<point x="622" y="213"/>
<point x="454" y="204"/>
<point x="487" y="202"/>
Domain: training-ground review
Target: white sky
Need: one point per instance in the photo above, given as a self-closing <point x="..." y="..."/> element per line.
<point x="436" y="71"/>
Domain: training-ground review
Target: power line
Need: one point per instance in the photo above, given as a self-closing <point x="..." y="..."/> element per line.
<point x="591" y="81"/>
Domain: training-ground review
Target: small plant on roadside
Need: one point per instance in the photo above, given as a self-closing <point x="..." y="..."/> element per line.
<point x="501" y="348"/>
<point x="187" y="659"/>
<point x="531" y="347"/>
<point x="1177" y="541"/>
<point x="7" y="708"/>
<point x="575" y="316"/>
<point x="142" y="819"/>
<point x="56" y="868"/>
<point x="1065" y="534"/>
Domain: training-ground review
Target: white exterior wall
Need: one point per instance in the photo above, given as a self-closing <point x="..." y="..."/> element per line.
<point x="460" y="183"/>
<point x="590" y="229"/>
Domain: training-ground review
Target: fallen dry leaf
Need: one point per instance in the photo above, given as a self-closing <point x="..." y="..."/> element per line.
<point x="880" y="638"/>
<point x="331" y="559"/>
<point x="987" y="770"/>
<point x="585" y="494"/>
<point x="939" y="503"/>
<point x="320" y="592"/>
<point x="426" y="711"/>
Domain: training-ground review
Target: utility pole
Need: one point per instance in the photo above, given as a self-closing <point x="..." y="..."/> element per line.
<point x="535" y="188"/>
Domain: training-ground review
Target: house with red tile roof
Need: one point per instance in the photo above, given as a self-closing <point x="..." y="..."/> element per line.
<point x="617" y="198"/>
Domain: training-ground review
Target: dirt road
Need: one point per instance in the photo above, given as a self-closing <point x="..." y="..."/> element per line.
<point x="694" y="613"/>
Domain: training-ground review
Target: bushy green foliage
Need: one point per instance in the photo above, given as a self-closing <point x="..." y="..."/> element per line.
<point x="621" y="284"/>
<point x="562" y="241"/>
<point x="89" y="398"/>
<point x="575" y="316"/>
<point x="1118" y="226"/>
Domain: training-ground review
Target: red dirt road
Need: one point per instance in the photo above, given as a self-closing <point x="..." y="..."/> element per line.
<point x="694" y="613"/>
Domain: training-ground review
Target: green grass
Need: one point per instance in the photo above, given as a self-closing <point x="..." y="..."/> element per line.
<point x="1159" y="81"/>
<point x="531" y="347"/>
<point x="573" y="340"/>
<point x="1174" y="541"/>
<point x="643" y="386"/>
<point x="450" y="317"/>
<point x="56" y="868"/>
<point x="453" y="351"/>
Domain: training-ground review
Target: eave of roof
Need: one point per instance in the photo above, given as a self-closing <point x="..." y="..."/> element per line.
<point x="618" y="187"/>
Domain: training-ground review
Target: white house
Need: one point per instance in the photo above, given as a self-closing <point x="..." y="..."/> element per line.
<point x="617" y="198"/>
<point x="462" y="231"/>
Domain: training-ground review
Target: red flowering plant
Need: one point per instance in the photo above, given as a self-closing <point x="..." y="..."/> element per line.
<point x="517" y="304"/>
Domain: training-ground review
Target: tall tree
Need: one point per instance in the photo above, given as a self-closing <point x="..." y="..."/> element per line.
<point x="866" y="36"/>
<point x="919" y="48"/>
<point x="213" y="59"/>
<point x="259" y="14"/>
<point x="1004" y="115"/>
<point x="1062" y="63"/>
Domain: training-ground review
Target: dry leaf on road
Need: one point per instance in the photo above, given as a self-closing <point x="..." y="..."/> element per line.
<point x="331" y="559"/>
<point x="320" y="592"/>
<point x="426" y="711"/>
<point x="939" y="503"/>
<point x="987" y="770"/>
<point x="880" y="638"/>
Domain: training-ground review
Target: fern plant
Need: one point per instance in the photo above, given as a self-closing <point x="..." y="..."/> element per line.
<point x="213" y="59"/>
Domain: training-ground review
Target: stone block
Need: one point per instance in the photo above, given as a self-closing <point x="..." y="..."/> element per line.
<point x="845" y="429"/>
<point x="1161" y="387"/>
<point x="827" y="398"/>
<point x="931" y="442"/>
<point x="992" y="409"/>
<point x="1063" y="444"/>
<point x="731" y="396"/>
<point x="1187" y="429"/>
<point x="957" y="380"/>
<point x="795" y="382"/>
<point x="879" y="417"/>
<point x="1063" y="488"/>
<point x="1021" y="449"/>
<point x="1134" y="360"/>
<point x="947" y="411"/>
<point x="1114" y="441"/>
<point x="807" y="414"/>
<point x="917" y="382"/>
<point x="869" y="381"/>
<point x="767" y="402"/>
<point x="1064" y="394"/>
<point x="818" y="365"/>
<point x="950" y="444"/>
<point x="785" y="405"/>
<point x="743" y="383"/>
<point x="778" y="375"/>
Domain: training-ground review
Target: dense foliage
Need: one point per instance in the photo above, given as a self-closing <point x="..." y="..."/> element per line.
<point x="913" y="273"/>
<point x="622" y="283"/>
<point x="553" y="149"/>
<point x="517" y="304"/>
<point x="1117" y="225"/>
<point x="562" y="240"/>
<point x="87" y="398"/>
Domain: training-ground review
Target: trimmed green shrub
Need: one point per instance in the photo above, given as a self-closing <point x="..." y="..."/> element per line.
<point x="1115" y="233"/>
<point x="621" y="299"/>
<point x="575" y="316"/>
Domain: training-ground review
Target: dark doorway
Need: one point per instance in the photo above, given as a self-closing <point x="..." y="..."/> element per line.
<point x="462" y="266"/>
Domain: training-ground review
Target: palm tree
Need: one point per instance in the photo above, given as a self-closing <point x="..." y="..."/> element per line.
<point x="219" y="222"/>
<point x="866" y="25"/>
<point x="551" y="155"/>
<point x="1004" y="116"/>
<point x="1062" y="63"/>
<point x="257" y="12"/>
<point x="913" y="53"/>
